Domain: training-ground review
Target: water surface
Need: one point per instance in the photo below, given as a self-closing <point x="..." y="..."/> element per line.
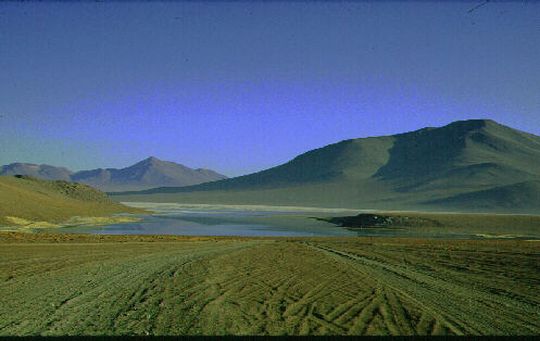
<point x="215" y="220"/>
<point x="250" y="221"/>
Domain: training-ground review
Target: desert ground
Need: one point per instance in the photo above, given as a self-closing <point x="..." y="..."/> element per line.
<point x="66" y="284"/>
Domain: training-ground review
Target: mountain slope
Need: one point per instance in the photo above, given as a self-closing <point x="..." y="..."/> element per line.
<point x="31" y="199"/>
<point x="480" y="147"/>
<point x="38" y="171"/>
<point x="523" y="196"/>
<point x="414" y="170"/>
<point x="148" y="173"/>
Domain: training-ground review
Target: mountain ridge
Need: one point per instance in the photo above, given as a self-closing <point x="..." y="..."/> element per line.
<point x="148" y="173"/>
<point x="412" y="170"/>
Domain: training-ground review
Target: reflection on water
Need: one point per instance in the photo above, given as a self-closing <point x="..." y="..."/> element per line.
<point x="178" y="226"/>
<point x="206" y="220"/>
<point x="215" y="220"/>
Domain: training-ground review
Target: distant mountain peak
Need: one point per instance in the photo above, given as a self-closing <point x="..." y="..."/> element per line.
<point x="457" y="127"/>
<point x="148" y="173"/>
<point x="151" y="162"/>
<point x="459" y="163"/>
<point x="152" y="159"/>
<point x="481" y="121"/>
<point x="473" y="124"/>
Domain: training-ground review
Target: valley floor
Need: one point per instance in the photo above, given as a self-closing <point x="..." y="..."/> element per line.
<point x="62" y="284"/>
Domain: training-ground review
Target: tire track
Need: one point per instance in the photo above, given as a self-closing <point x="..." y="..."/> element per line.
<point x="431" y="294"/>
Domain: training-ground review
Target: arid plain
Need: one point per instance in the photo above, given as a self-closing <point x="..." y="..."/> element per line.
<point x="62" y="284"/>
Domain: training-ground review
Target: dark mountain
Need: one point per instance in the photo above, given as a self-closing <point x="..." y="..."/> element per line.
<point x="430" y="168"/>
<point x="148" y="173"/>
<point x="522" y="196"/>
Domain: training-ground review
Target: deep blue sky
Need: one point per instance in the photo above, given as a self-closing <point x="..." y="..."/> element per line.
<point x="239" y="87"/>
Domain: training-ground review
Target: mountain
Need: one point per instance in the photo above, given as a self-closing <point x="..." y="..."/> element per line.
<point x="25" y="200"/>
<point x="38" y="171"/>
<point x="148" y="173"/>
<point x="429" y="169"/>
<point x="522" y="195"/>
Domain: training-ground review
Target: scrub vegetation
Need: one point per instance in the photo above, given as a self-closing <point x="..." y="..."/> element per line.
<point x="63" y="284"/>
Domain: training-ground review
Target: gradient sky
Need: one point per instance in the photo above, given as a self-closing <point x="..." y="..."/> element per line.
<point x="238" y="87"/>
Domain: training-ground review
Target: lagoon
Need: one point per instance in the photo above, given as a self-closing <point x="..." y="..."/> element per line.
<point x="225" y="220"/>
<point x="251" y="221"/>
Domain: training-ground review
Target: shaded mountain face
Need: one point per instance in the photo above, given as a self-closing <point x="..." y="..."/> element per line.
<point x="429" y="169"/>
<point x="522" y="196"/>
<point x="148" y="173"/>
<point x="465" y="154"/>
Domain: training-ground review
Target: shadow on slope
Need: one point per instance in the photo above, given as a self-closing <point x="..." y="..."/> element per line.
<point x="414" y="170"/>
<point x="523" y="195"/>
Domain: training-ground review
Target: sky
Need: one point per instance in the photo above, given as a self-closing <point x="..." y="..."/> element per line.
<point x="239" y="87"/>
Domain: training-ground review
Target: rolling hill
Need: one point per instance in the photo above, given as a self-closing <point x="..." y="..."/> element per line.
<point x="149" y="173"/>
<point x="26" y="199"/>
<point x="45" y="172"/>
<point x="445" y="168"/>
